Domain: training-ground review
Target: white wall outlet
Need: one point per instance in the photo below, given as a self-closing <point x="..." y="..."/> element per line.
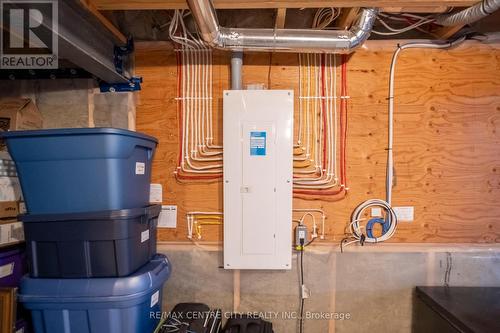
<point x="168" y="217"/>
<point x="376" y="212"/>
<point x="155" y="193"/>
<point x="404" y="214"/>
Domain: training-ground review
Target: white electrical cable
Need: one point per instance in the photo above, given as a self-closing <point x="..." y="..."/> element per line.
<point x="191" y="220"/>
<point x="307" y="148"/>
<point x="391" y="216"/>
<point x="326" y="178"/>
<point x="314" y="210"/>
<point x="395" y="31"/>
<point x="403" y="19"/>
<point x="198" y="152"/>
<point x="357" y="217"/>
<point x="325" y="174"/>
<point x="428" y="45"/>
<point x="210" y="87"/>
<point x="324" y="17"/>
<point x="299" y="130"/>
<point x="207" y="100"/>
<point x="317" y="125"/>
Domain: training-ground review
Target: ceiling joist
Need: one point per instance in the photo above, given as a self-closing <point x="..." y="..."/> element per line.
<point x="447" y="32"/>
<point x="89" y="5"/>
<point x="280" y="18"/>
<point x="347" y="18"/>
<point x="408" y="5"/>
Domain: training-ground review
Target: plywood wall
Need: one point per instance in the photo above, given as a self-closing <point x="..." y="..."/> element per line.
<point x="447" y="137"/>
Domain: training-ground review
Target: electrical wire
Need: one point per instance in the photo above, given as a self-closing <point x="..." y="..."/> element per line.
<point x="328" y="167"/>
<point x="309" y="212"/>
<point x="198" y="156"/>
<point x="391" y="217"/>
<point x="390" y="162"/>
<point x="197" y="219"/>
<point x="324" y="17"/>
<point x="301" y="291"/>
<point x="396" y="31"/>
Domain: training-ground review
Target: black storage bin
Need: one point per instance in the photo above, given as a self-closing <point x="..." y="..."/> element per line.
<point x="99" y="244"/>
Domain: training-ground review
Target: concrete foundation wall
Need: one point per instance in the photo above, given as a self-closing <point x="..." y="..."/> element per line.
<point x="69" y="103"/>
<point x="369" y="290"/>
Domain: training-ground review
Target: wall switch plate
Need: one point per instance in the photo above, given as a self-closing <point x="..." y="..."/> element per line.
<point x="404" y="214"/>
<point x="376" y="212"/>
<point x="155" y="193"/>
<point x="168" y="217"/>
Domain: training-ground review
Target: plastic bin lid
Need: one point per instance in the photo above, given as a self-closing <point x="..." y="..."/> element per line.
<point x="151" y="211"/>
<point x="9" y="251"/>
<point x="76" y="131"/>
<point x="151" y="276"/>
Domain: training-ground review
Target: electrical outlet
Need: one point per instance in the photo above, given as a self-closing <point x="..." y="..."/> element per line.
<point x="376" y="212"/>
<point x="404" y="214"/>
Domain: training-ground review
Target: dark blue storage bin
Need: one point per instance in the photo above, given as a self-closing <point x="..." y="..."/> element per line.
<point x="96" y="244"/>
<point x="82" y="169"/>
<point x="106" y="305"/>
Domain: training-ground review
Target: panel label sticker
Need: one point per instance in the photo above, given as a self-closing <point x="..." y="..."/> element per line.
<point x="140" y="168"/>
<point x="155" y="298"/>
<point x="258" y="143"/>
<point x="144" y="236"/>
<point x="6" y="270"/>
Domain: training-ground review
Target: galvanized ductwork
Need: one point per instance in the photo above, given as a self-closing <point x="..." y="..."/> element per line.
<point x="471" y="14"/>
<point x="280" y="40"/>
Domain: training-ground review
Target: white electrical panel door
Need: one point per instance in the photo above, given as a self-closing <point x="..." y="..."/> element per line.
<point x="258" y="172"/>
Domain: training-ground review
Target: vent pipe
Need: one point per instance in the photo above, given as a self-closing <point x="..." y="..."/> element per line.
<point x="471" y="14"/>
<point x="280" y="40"/>
<point x="236" y="69"/>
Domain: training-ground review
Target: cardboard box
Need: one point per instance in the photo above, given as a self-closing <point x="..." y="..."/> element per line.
<point x="8" y="209"/>
<point x="11" y="232"/>
<point x="10" y="189"/>
<point x="18" y="114"/>
<point x="7" y="309"/>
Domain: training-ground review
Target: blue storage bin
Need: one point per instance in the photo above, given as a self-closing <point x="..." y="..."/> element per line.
<point x="97" y="244"/>
<point x="100" y="305"/>
<point x="82" y="169"/>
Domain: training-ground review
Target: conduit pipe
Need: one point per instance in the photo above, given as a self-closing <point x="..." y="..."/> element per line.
<point x="471" y="14"/>
<point x="236" y="70"/>
<point x="284" y="40"/>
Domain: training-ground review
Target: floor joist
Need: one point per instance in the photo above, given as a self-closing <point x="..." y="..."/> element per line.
<point x="246" y="4"/>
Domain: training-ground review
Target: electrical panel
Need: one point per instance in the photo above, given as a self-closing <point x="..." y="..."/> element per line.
<point x="258" y="177"/>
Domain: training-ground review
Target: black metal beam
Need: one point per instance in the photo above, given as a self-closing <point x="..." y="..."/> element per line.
<point x="87" y="44"/>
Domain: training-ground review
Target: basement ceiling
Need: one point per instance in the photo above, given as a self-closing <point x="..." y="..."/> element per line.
<point x="150" y="25"/>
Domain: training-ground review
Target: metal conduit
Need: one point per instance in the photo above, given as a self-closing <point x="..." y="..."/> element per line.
<point x="280" y="40"/>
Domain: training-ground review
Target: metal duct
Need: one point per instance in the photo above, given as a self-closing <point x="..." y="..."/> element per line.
<point x="281" y="40"/>
<point x="471" y="14"/>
